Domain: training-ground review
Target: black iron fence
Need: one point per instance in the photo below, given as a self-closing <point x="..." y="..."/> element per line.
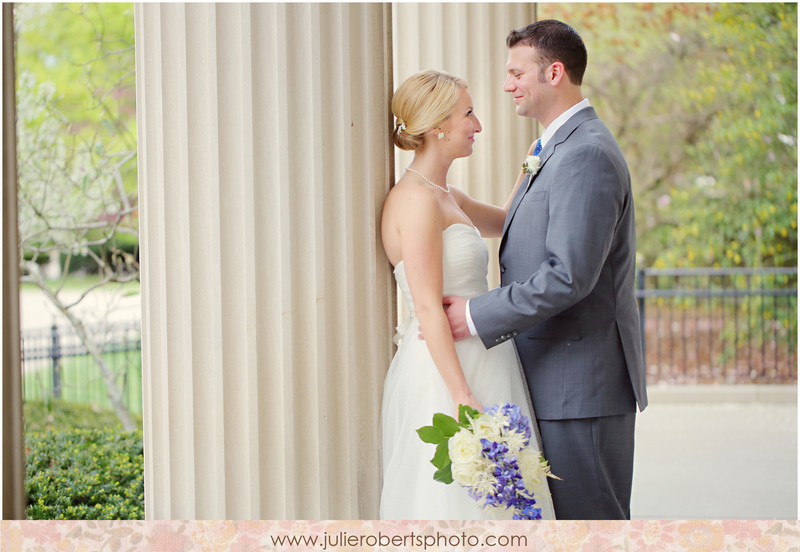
<point x="698" y="325"/>
<point x="55" y="363"/>
<point x="705" y="325"/>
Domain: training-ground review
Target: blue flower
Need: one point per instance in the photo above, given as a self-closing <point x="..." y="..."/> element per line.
<point x="528" y="512"/>
<point x="501" y="483"/>
<point x="515" y="419"/>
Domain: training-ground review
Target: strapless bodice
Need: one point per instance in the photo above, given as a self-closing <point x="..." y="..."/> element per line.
<point x="465" y="264"/>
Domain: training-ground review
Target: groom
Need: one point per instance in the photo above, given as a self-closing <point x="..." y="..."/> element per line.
<point x="567" y="299"/>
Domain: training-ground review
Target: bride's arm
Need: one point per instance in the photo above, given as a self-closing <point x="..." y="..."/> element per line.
<point x="420" y="228"/>
<point x="488" y="218"/>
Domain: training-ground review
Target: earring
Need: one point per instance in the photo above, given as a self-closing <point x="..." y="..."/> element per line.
<point x="440" y="135"/>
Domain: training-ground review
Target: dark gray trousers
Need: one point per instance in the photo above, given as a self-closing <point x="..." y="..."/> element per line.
<point x="594" y="458"/>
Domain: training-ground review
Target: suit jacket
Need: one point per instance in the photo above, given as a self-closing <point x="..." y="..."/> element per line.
<point x="567" y="264"/>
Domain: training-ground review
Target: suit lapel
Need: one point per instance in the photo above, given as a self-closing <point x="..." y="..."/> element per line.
<point x="558" y="138"/>
<point x="523" y="188"/>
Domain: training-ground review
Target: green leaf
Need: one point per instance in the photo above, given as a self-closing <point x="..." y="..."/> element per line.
<point x="442" y="456"/>
<point x="444" y="475"/>
<point x="447" y="424"/>
<point x="430" y="434"/>
<point x="465" y="413"/>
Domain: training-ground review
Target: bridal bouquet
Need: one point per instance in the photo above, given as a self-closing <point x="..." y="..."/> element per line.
<point x="488" y="454"/>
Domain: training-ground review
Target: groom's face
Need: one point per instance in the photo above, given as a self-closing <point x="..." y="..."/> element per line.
<point x="525" y="81"/>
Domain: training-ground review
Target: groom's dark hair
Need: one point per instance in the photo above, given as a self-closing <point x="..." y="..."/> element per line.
<point x="553" y="41"/>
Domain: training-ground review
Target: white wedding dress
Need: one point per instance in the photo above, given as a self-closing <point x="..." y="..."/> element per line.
<point x="414" y="391"/>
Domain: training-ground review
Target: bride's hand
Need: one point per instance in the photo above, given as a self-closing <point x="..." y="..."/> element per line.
<point x="467" y="400"/>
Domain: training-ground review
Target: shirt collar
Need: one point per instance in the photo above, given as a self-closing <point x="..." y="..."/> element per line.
<point x="561" y="119"/>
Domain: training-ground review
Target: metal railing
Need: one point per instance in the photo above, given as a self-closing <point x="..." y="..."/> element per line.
<point x="56" y="364"/>
<point x="705" y="325"/>
<point x="698" y="325"/>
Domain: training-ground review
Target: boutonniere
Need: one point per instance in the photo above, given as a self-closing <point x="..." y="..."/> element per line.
<point x="532" y="164"/>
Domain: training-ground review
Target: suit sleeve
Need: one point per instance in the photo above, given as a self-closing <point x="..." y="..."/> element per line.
<point x="585" y="202"/>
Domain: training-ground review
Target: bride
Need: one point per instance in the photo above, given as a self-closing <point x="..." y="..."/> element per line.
<point x="432" y="235"/>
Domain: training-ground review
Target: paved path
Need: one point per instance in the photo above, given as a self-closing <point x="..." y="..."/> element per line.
<point x="708" y="452"/>
<point x="108" y="304"/>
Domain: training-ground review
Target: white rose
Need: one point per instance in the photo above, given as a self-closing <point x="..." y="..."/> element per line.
<point x="485" y="427"/>
<point x="467" y="473"/>
<point x="532" y="164"/>
<point x="464" y="448"/>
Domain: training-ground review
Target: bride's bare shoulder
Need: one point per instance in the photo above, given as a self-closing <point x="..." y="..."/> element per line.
<point x="406" y="198"/>
<point x="408" y="210"/>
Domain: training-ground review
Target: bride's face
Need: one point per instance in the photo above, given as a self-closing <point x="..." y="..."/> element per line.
<point x="461" y="128"/>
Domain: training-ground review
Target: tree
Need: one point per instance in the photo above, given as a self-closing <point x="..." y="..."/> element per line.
<point x="739" y="184"/>
<point x="703" y="101"/>
<point x="76" y="156"/>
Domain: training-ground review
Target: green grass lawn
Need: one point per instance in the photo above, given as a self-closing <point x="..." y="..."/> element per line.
<point x="81" y="381"/>
<point x="59" y="415"/>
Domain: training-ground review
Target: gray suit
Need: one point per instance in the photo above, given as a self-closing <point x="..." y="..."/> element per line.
<point x="567" y="261"/>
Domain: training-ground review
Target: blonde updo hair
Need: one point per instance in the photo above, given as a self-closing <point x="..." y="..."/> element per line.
<point x="423" y="102"/>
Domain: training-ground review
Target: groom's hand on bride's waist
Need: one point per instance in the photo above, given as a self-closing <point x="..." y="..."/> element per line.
<point x="455" y="308"/>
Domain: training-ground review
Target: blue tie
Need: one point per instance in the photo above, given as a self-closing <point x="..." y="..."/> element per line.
<point x="538" y="147"/>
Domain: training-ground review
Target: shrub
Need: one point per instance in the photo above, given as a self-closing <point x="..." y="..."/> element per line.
<point x="85" y="474"/>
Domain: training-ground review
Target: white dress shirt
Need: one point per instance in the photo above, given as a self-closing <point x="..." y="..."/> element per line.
<point x="548" y="133"/>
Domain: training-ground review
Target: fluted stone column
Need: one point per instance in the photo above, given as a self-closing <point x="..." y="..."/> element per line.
<point x="469" y="40"/>
<point x="268" y="305"/>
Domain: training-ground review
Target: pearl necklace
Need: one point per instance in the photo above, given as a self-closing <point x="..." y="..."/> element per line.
<point x="425" y="178"/>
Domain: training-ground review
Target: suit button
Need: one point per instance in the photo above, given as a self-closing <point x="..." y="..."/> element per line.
<point x="502" y="269"/>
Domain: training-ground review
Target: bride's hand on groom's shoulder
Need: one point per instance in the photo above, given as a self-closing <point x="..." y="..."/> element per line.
<point x="455" y="308"/>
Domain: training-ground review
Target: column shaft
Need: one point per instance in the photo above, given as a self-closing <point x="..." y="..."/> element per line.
<point x="268" y="305"/>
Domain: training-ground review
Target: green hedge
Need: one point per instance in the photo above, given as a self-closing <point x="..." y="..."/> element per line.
<point x="85" y="474"/>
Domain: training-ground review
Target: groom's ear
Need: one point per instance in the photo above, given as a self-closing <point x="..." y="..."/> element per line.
<point x="556" y="73"/>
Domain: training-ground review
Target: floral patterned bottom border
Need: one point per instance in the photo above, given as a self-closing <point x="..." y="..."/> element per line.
<point x="434" y="536"/>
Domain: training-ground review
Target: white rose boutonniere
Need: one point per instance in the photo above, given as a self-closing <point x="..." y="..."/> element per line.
<point x="532" y="164"/>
